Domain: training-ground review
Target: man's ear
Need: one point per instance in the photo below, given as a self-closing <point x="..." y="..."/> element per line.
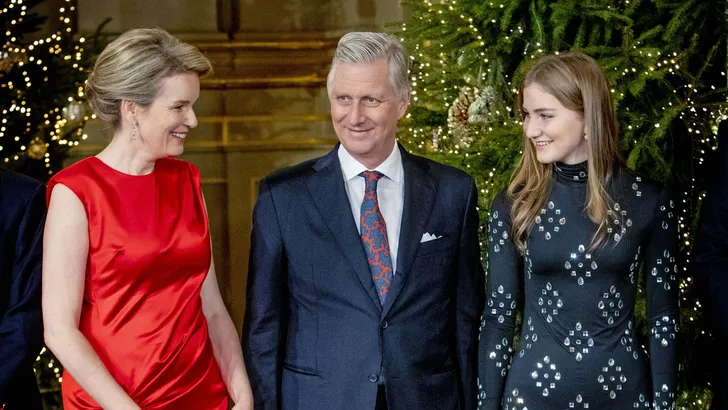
<point x="402" y="107"/>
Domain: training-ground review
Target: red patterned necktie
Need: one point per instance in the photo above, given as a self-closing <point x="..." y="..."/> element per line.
<point x="374" y="236"/>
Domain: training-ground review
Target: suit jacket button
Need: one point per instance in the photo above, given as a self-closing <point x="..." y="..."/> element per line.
<point x="373" y="378"/>
<point x="385" y="325"/>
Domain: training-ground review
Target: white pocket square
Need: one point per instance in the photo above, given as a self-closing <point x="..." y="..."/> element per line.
<point x="427" y="237"/>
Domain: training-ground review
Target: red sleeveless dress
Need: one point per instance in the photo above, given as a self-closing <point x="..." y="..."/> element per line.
<point x="149" y="252"/>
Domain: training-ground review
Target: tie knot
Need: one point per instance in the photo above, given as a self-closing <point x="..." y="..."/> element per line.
<point x="371" y="176"/>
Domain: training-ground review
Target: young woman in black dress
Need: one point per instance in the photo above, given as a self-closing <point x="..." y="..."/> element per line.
<point x="567" y="242"/>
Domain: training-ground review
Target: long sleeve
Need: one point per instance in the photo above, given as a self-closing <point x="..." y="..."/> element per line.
<point x="499" y="316"/>
<point x="21" y="327"/>
<point x="469" y="301"/>
<point x="265" y="324"/>
<point x="661" y="286"/>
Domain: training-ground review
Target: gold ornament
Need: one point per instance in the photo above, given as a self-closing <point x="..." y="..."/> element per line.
<point x="37" y="149"/>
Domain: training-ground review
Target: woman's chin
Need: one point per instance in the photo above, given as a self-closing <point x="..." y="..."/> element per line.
<point x="545" y="158"/>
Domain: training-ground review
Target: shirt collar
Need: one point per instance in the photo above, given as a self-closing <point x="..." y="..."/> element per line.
<point x="391" y="167"/>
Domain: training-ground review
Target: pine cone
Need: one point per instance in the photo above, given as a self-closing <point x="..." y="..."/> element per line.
<point x="458" y="112"/>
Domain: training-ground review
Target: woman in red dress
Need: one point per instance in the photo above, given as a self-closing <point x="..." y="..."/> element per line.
<point x="130" y="300"/>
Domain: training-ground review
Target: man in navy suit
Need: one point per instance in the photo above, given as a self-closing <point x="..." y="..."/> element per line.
<point x="710" y="253"/>
<point x="22" y="215"/>
<point x="365" y="285"/>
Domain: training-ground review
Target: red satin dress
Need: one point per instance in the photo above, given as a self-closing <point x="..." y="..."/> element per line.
<point x="149" y="252"/>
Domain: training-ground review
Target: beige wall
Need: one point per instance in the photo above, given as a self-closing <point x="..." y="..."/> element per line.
<point x="186" y="16"/>
<point x="266" y="106"/>
<point x="239" y="16"/>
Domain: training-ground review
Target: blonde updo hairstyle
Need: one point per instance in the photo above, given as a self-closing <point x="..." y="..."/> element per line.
<point x="132" y="67"/>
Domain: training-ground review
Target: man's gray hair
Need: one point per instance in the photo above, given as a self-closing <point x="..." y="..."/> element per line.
<point x="367" y="47"/>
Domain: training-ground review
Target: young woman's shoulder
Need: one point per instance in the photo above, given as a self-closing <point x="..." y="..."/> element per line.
<point x="631" y="185"/>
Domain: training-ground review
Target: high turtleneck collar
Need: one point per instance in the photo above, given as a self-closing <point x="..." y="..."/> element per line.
<point x="576" y="173"/>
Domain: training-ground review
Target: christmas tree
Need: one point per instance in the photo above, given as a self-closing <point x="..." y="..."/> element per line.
<point x="665" y="60"/>
<point x="41" y="88"/>
<point x="43" y="111"/>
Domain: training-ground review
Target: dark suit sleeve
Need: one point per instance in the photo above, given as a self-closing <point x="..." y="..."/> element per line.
<point x="469" y="301"/>
<point x="265" y="325"/>
<point x="21" y="327"/>
<point x="710" y="251"/>
<point x="710" y="265"/>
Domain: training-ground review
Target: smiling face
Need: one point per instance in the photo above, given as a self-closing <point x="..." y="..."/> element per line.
<point x="364" y="110"/>
<point x="163" y="126"/>
<point x="556" y="131"/>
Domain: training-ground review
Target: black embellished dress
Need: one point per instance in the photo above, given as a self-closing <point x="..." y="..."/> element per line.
<point x="577" y="347"/>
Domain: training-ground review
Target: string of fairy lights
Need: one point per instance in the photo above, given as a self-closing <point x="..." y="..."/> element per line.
<point x="658" y="65"/>
<point x="57" y="120"/>
<point x="40" y="53"/>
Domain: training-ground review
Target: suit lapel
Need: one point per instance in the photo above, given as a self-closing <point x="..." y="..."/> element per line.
<point x="327" y="189"/>
<point x="419" y="198"/>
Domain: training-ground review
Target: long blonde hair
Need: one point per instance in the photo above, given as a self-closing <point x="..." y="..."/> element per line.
<point x="580" y="85"/>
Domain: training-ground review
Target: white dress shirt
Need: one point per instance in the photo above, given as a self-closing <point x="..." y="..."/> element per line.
<point x="390" y="193"/>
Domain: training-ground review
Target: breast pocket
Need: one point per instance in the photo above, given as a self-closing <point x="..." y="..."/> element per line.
<point x="440" y="244"/>
<point x="436" y="254"/>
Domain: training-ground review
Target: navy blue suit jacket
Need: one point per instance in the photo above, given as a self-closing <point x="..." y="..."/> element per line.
<point x="22" y="215"/>
<point x="710" y="253"/>
<point x="315" y="334"/>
